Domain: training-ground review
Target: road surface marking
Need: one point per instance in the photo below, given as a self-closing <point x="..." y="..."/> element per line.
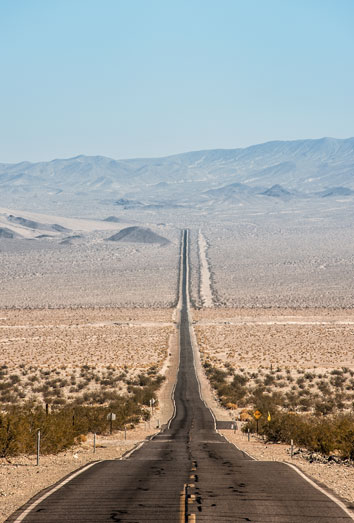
<point x="47" y="494"/>
<point x="328" y="494"/>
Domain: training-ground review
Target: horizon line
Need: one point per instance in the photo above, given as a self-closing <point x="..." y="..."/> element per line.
<point x="180" y="153"/>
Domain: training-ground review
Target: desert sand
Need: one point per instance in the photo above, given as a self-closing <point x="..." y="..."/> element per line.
<point x="305" y="338"/>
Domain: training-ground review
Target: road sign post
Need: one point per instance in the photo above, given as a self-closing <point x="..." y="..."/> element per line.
<point x="257" y="414"/>
<point x="111" y="417"/>
<point x="152" y="401"/>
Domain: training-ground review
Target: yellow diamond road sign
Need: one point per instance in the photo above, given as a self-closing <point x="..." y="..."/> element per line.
<point x="257" y="414"/>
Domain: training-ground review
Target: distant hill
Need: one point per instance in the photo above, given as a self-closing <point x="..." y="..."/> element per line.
<point x="306" y="166"/>
<point x="112" y="219"/>
<point x="138" y="235"/>
<point x="31" y="224"/>
<point x="277" y="191"/>
<point x="336" y="191"/>
<point x="7" y="233"/>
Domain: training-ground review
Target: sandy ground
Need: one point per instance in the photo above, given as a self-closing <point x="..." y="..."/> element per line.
<point x="88" y="271"/>
<point x="205" y="283"/>
<point x="20" y="478"/>
<point x="338" y="478"/>
<point x="286" y="338"/>
<point x="272" y="260"/>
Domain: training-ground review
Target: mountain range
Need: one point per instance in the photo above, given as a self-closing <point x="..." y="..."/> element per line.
<point x="322" y="168"/>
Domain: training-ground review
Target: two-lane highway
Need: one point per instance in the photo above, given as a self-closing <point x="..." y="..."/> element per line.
<point x="188" y="472"/>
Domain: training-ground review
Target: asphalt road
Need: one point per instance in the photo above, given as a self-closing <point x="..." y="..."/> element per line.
<point x="188" y="473"/>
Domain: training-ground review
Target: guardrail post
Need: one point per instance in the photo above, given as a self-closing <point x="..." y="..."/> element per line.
<point x="94" y="442"/>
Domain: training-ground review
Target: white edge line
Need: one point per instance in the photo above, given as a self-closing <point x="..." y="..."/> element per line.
<point x="328" y="494"/>
<point x="238" y="448"/>
<point x="54" y="489"/>
<point x="72" y="476"/>
<point x="174" y="403"/>
<point x="179" y="306"/>
<point x="130" y="452"/>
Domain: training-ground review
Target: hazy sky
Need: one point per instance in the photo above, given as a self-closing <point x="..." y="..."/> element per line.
<point x="150" y="78"/>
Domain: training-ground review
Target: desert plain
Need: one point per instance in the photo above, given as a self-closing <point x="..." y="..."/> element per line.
<point x="82" y="318"/>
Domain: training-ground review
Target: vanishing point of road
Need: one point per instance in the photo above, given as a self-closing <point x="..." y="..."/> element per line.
<point x="187" y="472"/>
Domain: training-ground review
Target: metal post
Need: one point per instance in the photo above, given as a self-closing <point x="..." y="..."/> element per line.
<point x="292" y="448"/>
<point x="257" y="426"/>
<point x="125" y="432"/>
<point x="248" y="434"/>
<point x="111" y="424"/>
<point x="94" y="442"/>
<point x="38" y="445"/>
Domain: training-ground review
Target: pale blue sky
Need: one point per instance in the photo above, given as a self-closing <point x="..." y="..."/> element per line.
<point x="150" y="78"/>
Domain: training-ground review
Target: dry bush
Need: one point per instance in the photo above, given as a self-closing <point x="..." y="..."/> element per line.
<point x="66" y="423"/>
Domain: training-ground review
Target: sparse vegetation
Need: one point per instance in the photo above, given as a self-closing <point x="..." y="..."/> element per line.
<point x="323" y="434"/>
<point x="66" y="423"/>
<point x="320" y="419"/>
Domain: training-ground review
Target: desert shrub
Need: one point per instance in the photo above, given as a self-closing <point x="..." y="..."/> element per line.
<point x="325" y="435"/>
<point x="67" y="422"/>
<point x="269" y="379"/>
<point x="324" y="387"/>
<point x="309" y="376"/>
<point x="325" y="406"/>
<point x="337" y="381"/>
<point x="233" y="392"/>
